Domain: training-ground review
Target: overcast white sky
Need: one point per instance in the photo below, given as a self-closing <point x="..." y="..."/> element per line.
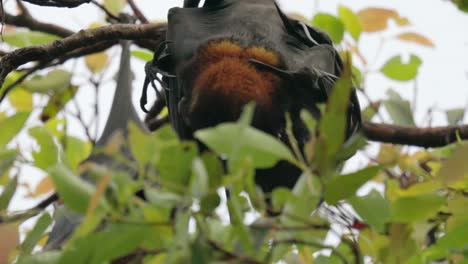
<point x="443" y="80"/>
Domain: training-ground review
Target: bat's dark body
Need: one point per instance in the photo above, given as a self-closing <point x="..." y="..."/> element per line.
<point x="207" y="49"/>
<point x="122" y="112"/>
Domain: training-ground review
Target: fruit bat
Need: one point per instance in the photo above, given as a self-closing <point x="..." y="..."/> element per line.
<point x="218" y="57"/>
<point x="122" y="111"/>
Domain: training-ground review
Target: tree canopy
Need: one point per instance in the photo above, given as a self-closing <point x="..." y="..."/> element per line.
<point x="405" y="203"/>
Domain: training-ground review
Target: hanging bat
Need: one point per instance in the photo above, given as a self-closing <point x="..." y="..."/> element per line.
<point x="221" y="56"/>
<point x="122" y="111"/>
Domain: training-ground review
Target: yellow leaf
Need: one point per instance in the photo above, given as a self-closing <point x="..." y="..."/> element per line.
<point x="419" y="189"/>
<point x="96" y="62"/>
<point x="375" y="19"/>
<point x="21" y="100"/>
<point x="45" y="186"/>
<point x="100" y="188"/>
<point x="42" y="242"/>
<point x="416" y="38"/>
<point x="9" y="240"/>
<point x="388" y="155"/>
<point x="455" y="167"/>
<point x="115" y="6"/>
<point x="96" y="25"/>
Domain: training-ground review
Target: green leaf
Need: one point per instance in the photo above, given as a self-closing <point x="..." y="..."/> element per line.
<point x="214" y="168"/>
<point x="54" y="81"/>
<point x="401" y="246"/>
<point x="57" y="102"/>
<point x="209" y="203"/>
<point x="175" y="166"/>
<point x="7" y="157"/>
<point x="199" y="180"/>
<point x="36" y="234"/>
<point x="396" y="69"/>
<point x="370" y="111"/>
<point x="330" y="24"/>
<point x="238" y="142"/>
<point x="304" y="199"/>
<point x="461" y="4"/>
<point x="373" y="209"/>
<point x="146" y="149"/>
<point x="48" y="154"/>
<point x="416" y="208"/>
<point x="344" y="186"/>
<point x="75" y="192"/>
<point x="455" y="239"/>
<point x="351" y="21"/>
<point x="21" y="99"/>
<point x="11" y="126"/>
<point x="47" y="257"/>
<point x="162" y="199"/>
<point x="237" y="217"/>
<point x="76" y="151"/>
<point x="279" y="197"/>
<point x="201" y="252"/>
<point x="114" y="241"/>
<point x="7" y="193"/>
<point x="357" y="76"/>
<point x="23" y="39"/>
<point x="455" y="116"/>
<point x="332" y="125"/>
<point x="142" y="55"/>
<point x="399" y="109"/>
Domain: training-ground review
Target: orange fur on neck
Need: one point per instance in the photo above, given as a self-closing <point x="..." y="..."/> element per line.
<point x="226" y="74"/>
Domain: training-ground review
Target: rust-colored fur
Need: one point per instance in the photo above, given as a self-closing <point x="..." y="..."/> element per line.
<point x="227" y="80"/>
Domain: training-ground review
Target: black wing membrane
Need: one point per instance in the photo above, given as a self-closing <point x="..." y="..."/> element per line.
<point x="308" y="56"/>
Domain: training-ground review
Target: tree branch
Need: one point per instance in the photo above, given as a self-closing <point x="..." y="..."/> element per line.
<point x="150" y="35"/>
<point x="138" y="12"/>
<point x="412" y="136"/>
<point x="27" y="21"/>
<point x="83" y="38"/>
<point x="58" y="3"/>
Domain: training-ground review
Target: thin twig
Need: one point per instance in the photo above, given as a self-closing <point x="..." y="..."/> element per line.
<point x="312" y="244"/>
<point x="26" y="214"/>
<point x="355" y="249"/>
<point x="20" y="80"/>
<point x="79" y="116"/>
<point x="138" y="12"/>
<point x="105" y="10"/>
<point x="233" y="255"/>
<point x="26" y="20"/>
<point x="83" y="38"/>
